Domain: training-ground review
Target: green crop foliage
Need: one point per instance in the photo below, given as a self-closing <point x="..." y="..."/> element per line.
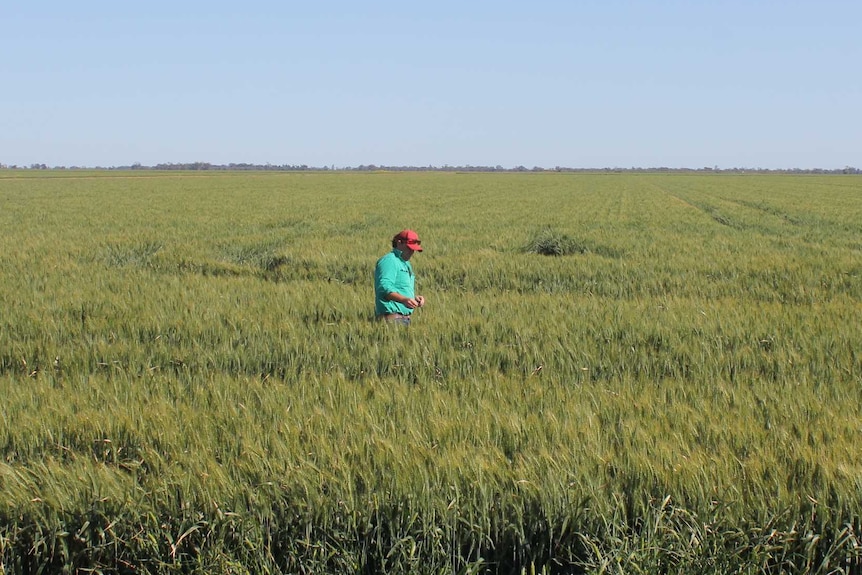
<point x="192" y="380"/>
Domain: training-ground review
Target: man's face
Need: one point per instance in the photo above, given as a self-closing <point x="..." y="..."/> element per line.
<point x="406" y="251"/>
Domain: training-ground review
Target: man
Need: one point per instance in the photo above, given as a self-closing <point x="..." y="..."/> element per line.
<point x="394" y="284"/>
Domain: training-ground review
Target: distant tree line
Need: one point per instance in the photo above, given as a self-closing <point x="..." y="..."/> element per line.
<point x="204" y="166"/>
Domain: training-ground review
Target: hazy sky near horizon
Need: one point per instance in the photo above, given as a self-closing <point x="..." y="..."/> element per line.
<point x="582" y="84"/>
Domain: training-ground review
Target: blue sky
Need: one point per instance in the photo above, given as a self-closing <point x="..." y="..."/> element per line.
<point x="333" y="83"/>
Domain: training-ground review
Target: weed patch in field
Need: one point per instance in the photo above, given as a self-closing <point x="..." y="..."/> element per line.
<point x="130" y="254"/>
<point x="549" y="242"/>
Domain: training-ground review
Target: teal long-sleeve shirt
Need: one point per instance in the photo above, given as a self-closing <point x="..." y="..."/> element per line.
<point x="392" y="274"/>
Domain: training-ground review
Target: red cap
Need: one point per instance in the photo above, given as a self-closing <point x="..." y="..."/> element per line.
<point x="411" y="238"/>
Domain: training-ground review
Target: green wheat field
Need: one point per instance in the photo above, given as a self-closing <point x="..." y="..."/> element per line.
<point x="614" y="373"/>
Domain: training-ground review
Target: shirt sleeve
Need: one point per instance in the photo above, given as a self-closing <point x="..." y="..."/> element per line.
<point x="385" y="274"/>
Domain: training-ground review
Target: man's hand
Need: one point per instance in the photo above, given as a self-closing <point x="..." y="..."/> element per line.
<point x="414" y="302"/>
<point x="411" y="303"/>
